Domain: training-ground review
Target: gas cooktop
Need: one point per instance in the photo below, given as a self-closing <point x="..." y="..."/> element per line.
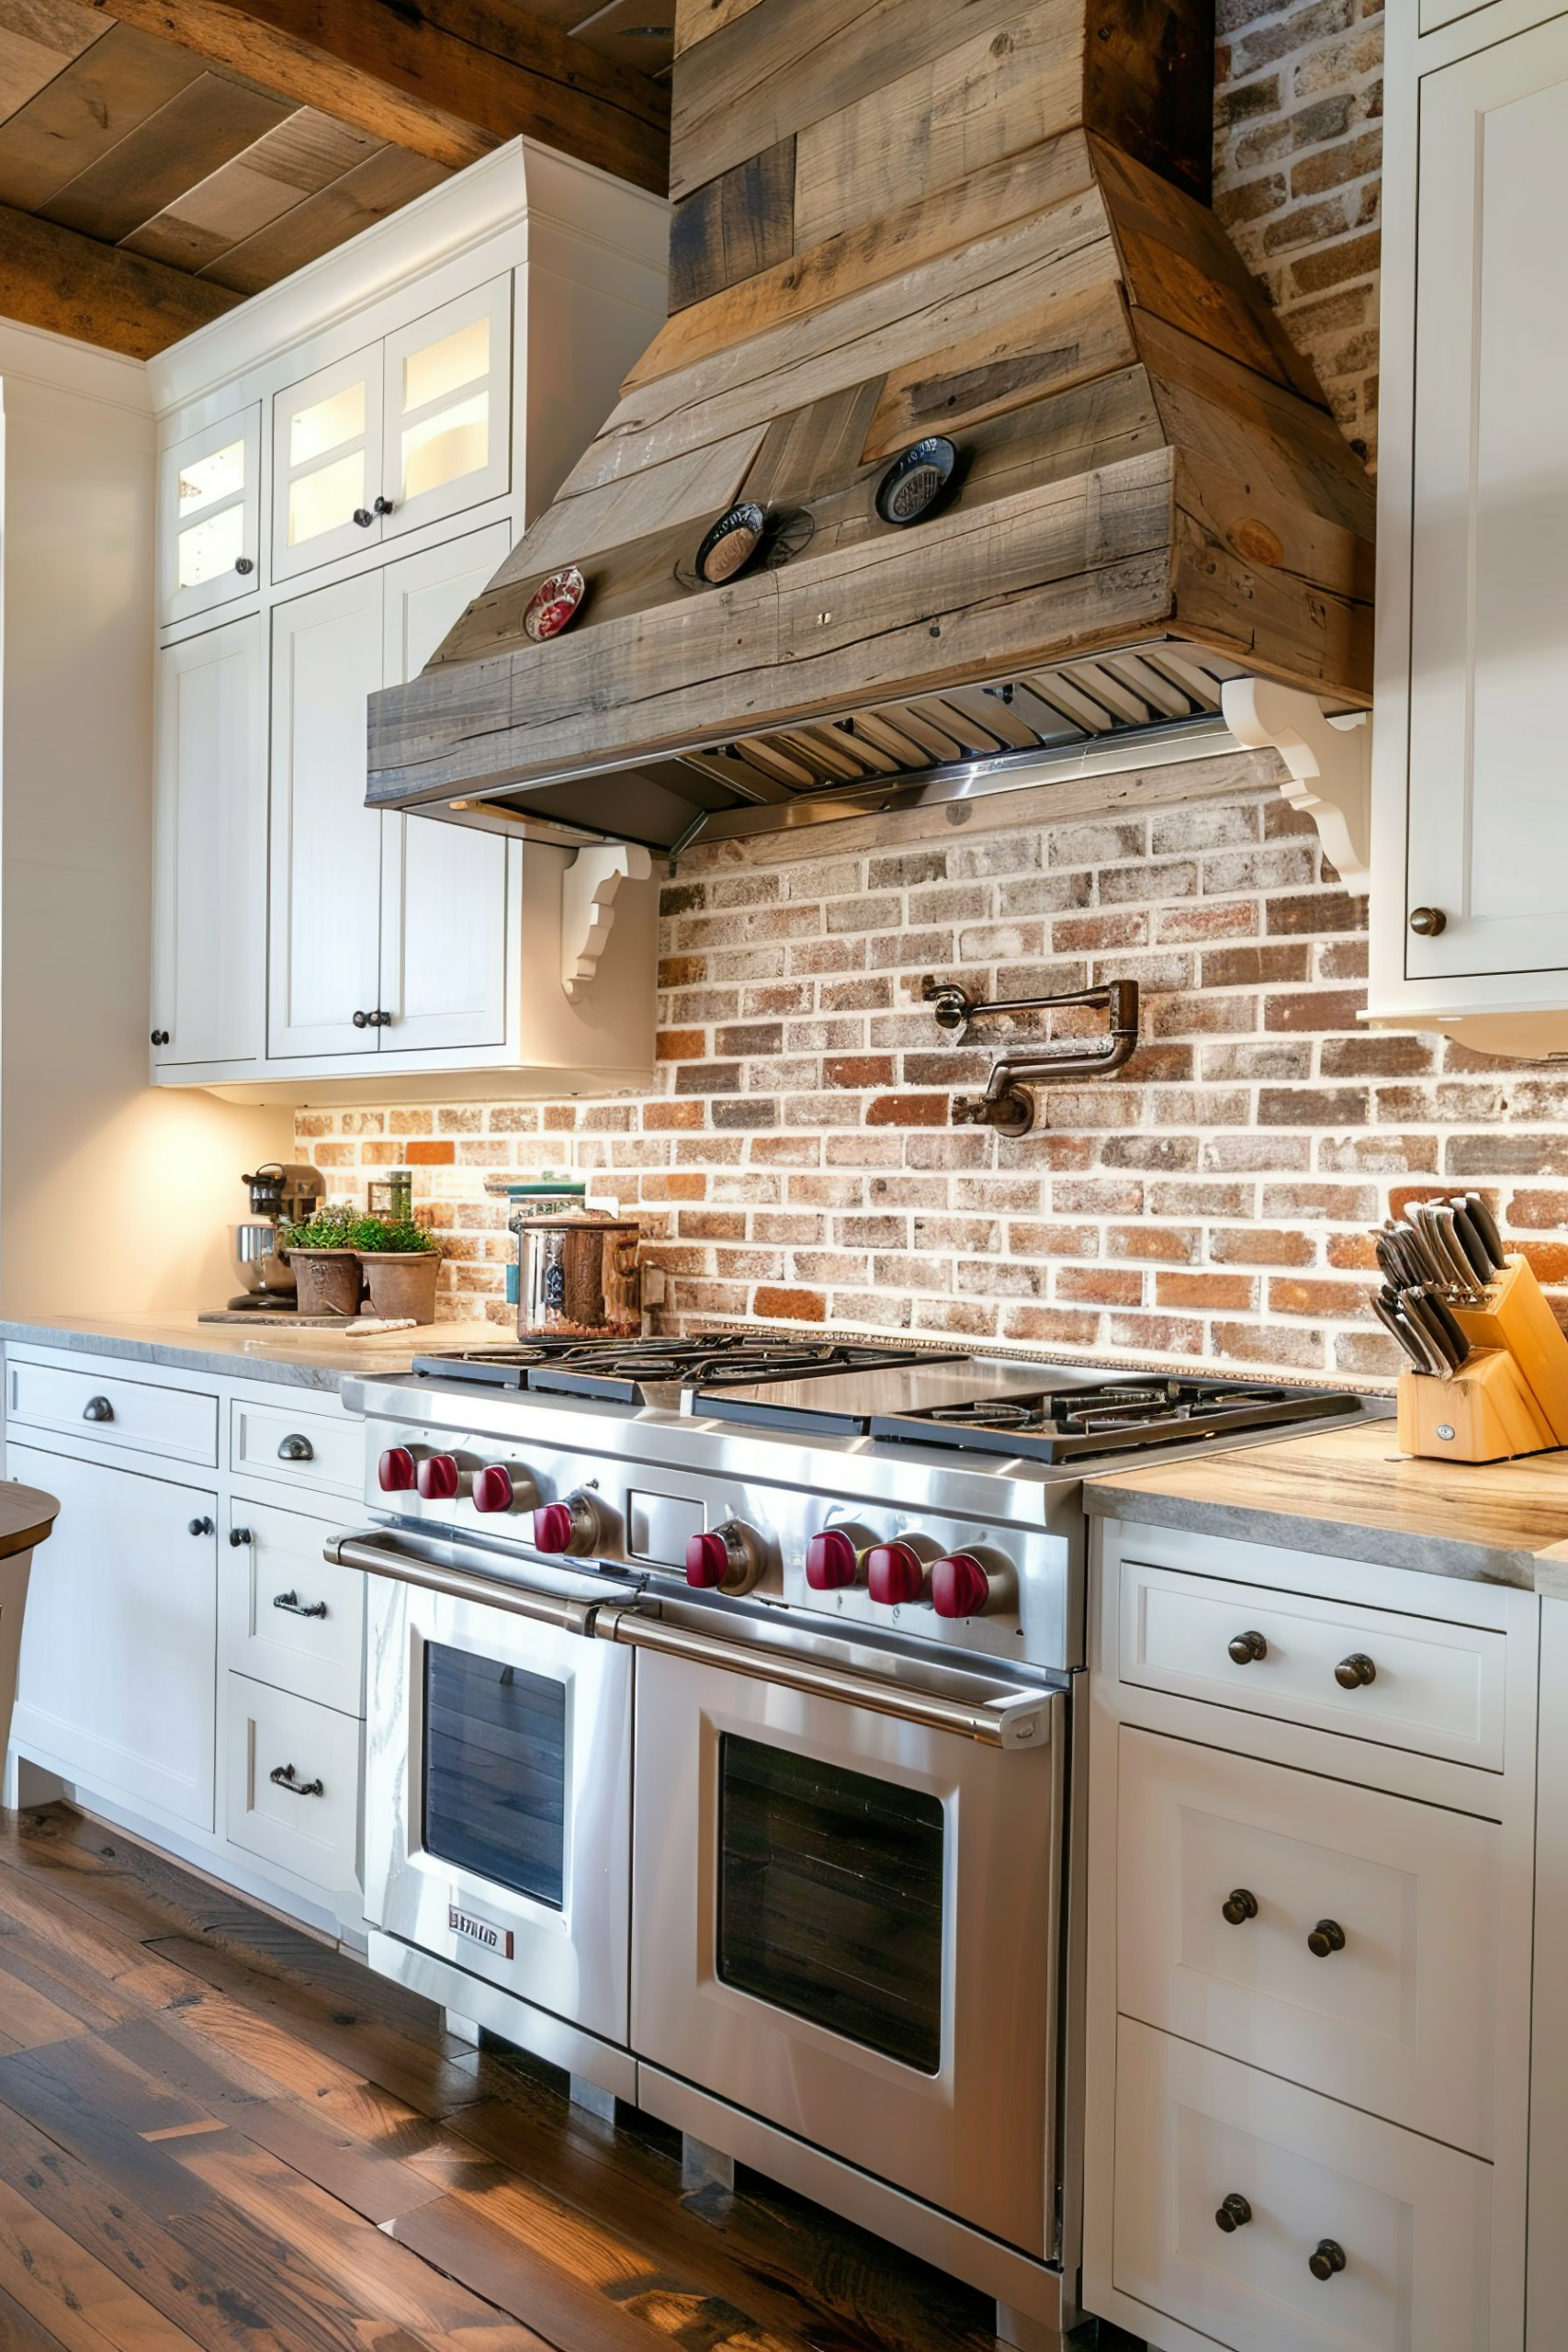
<point x="632" y="1371"/>
<point x="1062" y="1425"/>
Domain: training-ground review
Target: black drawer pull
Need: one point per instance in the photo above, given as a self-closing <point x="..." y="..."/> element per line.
<point x="297" y="1449"/>
<point x="1239" y="1907"/>
<point x="1328" y="2260"/>
<point x="1353" y="1673"/>
<point x="297" y="1608"/>
<point x="1234" y="2214"/>
<point x="98" y="1408"/>
<point x="1327" y="1938"/>
<point x="1248" y="1649"/>
<point x="282" y="1776"/>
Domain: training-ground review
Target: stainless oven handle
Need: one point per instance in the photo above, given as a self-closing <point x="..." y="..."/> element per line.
<point x="379" y="1557"/>
<point x="1021" y="1721"/>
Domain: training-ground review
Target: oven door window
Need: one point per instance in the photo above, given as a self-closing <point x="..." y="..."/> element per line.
<point x="495" y="1773"/>
<point x="829" y="1898"/>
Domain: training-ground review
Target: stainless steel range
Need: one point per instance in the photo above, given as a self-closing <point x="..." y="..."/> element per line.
<point x="722" y="1748"/>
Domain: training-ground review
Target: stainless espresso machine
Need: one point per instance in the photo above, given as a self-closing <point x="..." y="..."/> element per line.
<point x="280" y="1196"/>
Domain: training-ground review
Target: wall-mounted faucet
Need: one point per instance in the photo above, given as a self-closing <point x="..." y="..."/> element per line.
<point x="1032" y="1061"/>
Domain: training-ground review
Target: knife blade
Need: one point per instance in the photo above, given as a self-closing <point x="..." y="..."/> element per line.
<point x="1432" y="1267"/>
<point x="1420" y="1315"/>
<point x="1485" y="1225"/>
<point x="1459" y="1345"/>
<point x="1461" y="1274"/>
<point x="1470" y="1240"/>
<point x="1409" y="1345"/>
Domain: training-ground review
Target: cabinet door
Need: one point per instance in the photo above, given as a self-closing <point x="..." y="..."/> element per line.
<point x="444" y="901"/>
<point x="120" y="1644"/>
<point x="209" y="881"/>
<point x="448" y="408"/>
<point x="286" y="1615"/>
<point x="327" y="492"/>
<point x="210" y="516"/>
<point x="1488" y="835"/>
<point x="325" y="866"/>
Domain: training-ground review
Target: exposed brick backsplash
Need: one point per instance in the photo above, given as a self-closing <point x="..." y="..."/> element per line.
<point x="1208" y="1206"/>
<point x="1297" y="153"/>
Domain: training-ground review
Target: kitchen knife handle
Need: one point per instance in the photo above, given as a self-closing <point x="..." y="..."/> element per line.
<point x="1485" y="1225"/>
<point x="1453" y="1330"/>
<point x="1471" y="1242"/>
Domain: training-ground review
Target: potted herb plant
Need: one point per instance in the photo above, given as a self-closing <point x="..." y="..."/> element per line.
<point x="401" y="1262"/>
<point x="326" y="1258"/>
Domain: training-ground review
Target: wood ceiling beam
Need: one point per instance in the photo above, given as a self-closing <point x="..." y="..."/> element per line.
<point x="447" y="79"/>
<point x="57" y="278"/>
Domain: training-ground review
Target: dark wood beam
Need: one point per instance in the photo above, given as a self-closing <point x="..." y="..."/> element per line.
<point x="447" y="79"/>
<point x="54" y="277"/>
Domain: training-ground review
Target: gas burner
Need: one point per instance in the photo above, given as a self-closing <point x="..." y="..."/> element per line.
<point x="1064" y="1424"/>
<point x="631" y="1372"/>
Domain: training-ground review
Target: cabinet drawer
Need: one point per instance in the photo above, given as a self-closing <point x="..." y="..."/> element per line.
<point x="1436" y="1687"/>
<point x="1398" y="2018"/>
<point x="323" y="1453"/>
<point x="291" y="1784"/>
<point x="288" y="1617"/>
<point x="178" y="1423"/>
<point x="1411" y="2217"/>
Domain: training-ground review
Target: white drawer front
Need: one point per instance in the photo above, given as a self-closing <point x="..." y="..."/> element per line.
<point x="292" y="1784"/>
<point x="178" y="1423"/>
<point x="322" y="1453"/>
<point x="1437" y="1688"/>
<point x="1411" y="2217"/>
<point x="287" y="1616"/>
<point x="1398" y="2018"/>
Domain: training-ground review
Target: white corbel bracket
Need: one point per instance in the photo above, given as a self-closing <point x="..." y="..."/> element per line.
<point x="1330" y="761"/>
<point x="587" y="888"/>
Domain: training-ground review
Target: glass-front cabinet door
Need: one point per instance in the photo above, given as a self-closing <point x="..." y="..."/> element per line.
<point x="210" y="516"/>
<point x="328" y="497"/>
<point x="448" y="409"/>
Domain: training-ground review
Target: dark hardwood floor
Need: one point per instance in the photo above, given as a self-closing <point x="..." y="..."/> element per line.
<point x="216" y="2132"/>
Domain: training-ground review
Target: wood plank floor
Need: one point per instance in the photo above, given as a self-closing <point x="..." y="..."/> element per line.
<point x="217" y="2132"/>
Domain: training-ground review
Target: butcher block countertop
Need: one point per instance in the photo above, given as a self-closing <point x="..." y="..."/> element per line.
<point x="1351" y="1494"/>
<point x="302" y="1359"/>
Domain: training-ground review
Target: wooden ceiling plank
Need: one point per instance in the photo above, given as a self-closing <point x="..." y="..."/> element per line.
<point x="695" y="19"/>
<point x="107" y="93"/>
<point x="209" y="123"/>
<point x="309" y="151"/>
<point x="53" y="278"/>
<point x="451" y="80"/>
<point x="213" y="217"/>
<point x="638" y="34"/>
<point x="38" y="39"/>
<point x="382" y="184"/>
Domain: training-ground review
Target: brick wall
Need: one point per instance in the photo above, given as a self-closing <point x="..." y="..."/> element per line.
<point x="1210" y="1205"/>
<point x="1297" y="154"/>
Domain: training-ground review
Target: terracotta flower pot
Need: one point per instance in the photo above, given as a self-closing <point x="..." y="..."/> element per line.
<point x="329" y="1281"/>
<point x="402" y="1283"/>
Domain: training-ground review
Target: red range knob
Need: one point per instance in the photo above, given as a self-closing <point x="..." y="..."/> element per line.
<point x="832" y="1561"/>
<point x="395" y="1471"/>
<point x="494" y="1490"/>
<point x="554" y="1528"/>
<point x="960" y="1587"/>
<point x="895" y="1572"/>
<point x="707" y="1560"/>
<point x="439" y="1478"/>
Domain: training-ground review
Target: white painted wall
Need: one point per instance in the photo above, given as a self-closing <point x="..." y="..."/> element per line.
<point x="113" y="1195"/>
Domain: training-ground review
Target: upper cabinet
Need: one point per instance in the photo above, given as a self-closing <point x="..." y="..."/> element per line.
<point x="354" y="452"/>
<point x="1470" y="912"/>
<point x="210" y="516"/>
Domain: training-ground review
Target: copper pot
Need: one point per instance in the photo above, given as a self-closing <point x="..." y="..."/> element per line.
<point x="578" y="1275"/>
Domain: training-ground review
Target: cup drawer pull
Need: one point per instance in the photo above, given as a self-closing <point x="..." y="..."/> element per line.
<point x="283" y="1776"/>
<point x="296" y="1448"/>
<point x="98" y="1408"/>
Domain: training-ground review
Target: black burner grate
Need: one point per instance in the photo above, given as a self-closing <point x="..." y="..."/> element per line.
<point x="622" y="1372"/>
<point x="1064" y="1424"/>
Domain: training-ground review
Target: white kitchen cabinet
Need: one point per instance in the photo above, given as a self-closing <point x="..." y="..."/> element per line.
<point x="447" y="402"/>
<point x="375" y="946"/>
<point x="210" y="516"/>
<point x="288" y="1617"/>
<point x="210" y="866"/>
<point x="327" y="443"/>
<point x="1470" y="903"/>
<point x="118" y="1681"/>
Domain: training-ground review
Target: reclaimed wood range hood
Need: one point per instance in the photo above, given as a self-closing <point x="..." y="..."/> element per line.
<point x="975" y="218"/>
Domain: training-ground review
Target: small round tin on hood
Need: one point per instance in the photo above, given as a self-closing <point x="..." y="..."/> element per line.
<point x="915" y="480"/>
<point x="731" y="545"/>
<point x="554" y="605"/>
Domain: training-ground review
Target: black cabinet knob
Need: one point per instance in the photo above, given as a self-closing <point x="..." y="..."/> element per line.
<point x="238" y="1535"/>
<point x="1327" y="1938"/>
<point x="1428" y="922"/>
<point x="364" y="517"/>
<point x="381" y="1021"/>
<point x="1248" y="1648"/>
<point x="1234" y="2214"/>
<point x="362" y="1021"/>
<point x="202" y="1527"/>
<point x="98" y="1408"/>
<point x="295" y="1448"/>
<point x="243" y="565"/>
<point x="1327" y="2260"/>
<point x="1353" y="1673"/>
<point x="383" y="506"/>
<point x="1239" y="1907"/>
<point x="160" y="1036"/>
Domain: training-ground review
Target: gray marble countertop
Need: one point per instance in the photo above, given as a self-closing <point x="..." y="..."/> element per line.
<point x="292" y="1359"/>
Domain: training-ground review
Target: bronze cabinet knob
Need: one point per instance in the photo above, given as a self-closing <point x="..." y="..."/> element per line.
<point x="1327" y="2259"/>
<point x="1427" y="923"/>
<point x="1234" y="2214"/>
<point x="1248" y="1648"/>
<point x="1327" y="1938"/>
<point x="1239" y="1907"/>
<point x="1353" y="1673"/>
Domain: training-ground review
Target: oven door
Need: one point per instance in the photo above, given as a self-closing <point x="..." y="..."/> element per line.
<point x="498" y="1767"/>
<point x="846" y="1920"/>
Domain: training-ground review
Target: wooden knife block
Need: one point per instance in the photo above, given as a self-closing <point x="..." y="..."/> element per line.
<point x="1511" y="1398"/>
